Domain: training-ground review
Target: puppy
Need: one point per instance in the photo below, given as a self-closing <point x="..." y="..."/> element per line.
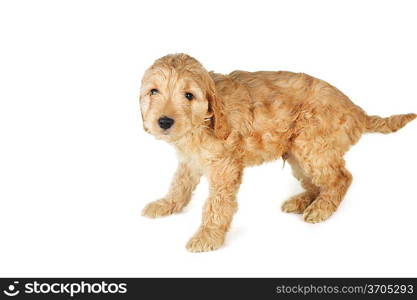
<point x="220" y="124"/>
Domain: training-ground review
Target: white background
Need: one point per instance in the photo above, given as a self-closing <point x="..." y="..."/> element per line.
<point x="76" y="167"/>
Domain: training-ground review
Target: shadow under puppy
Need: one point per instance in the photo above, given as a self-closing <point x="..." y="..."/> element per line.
<point x="220" y="124"/>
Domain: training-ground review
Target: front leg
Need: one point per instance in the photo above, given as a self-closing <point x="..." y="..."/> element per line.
<point x="224" y="180"/>
<point x="182" y="186"/>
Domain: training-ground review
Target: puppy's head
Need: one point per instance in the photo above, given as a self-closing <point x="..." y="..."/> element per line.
<point x="177" y="95"/>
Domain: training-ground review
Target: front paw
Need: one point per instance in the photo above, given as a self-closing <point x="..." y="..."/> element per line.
<point x="159" y="208"/>
<point x="206" y="240"/>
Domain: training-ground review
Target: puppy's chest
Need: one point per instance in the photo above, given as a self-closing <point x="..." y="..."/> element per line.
<point x="193" y="159"/>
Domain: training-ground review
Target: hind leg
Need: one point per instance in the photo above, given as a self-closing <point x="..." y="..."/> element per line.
<point x="327" y="171"/>
<point x="298" y="203"/>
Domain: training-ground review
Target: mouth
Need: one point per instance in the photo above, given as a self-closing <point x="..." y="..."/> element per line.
<point x="163" y="134"/>
<point x="165" y="131"/>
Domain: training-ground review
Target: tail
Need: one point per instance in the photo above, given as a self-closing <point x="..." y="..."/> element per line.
<point x="387" y="125"/>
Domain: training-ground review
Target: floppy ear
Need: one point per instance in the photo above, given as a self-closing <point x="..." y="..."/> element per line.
<point x="219" y="122"/>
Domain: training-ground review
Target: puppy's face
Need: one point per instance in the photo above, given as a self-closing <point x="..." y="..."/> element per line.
<point x="174" y="97"/>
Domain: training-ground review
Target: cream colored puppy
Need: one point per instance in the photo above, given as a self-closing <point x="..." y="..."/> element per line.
<point x="220" y="124"/>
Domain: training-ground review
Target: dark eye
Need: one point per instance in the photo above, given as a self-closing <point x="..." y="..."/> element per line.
<point x="189" y="96"/>
<point x="154" y="91"/>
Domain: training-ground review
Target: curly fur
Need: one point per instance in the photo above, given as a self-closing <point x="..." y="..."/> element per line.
<point x="248" y="118"/>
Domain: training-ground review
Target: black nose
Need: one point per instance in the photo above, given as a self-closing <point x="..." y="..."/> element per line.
<point x="165" y="122"/>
